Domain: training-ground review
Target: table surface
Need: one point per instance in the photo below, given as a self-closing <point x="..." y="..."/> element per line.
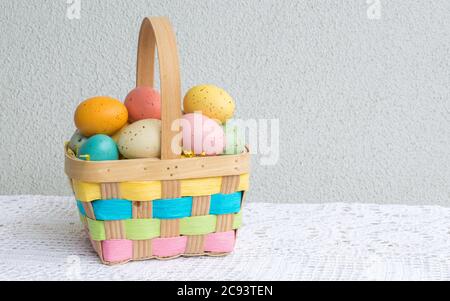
<point x="42" y="239"/>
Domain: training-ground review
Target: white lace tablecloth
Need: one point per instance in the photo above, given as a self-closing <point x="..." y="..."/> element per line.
<point x="41" y="239"/>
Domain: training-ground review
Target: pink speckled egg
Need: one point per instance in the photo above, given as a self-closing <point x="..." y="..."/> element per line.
<point x="202" y="135"/>
<point x="143" y="103"/>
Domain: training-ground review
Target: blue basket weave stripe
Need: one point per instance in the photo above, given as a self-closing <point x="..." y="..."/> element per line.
<point x="81" y="208"/>
<point x="172" y="208"/>
<point x="225" y="203"/>
<point x="118" y="209"/>
<point x="113" y="209"/>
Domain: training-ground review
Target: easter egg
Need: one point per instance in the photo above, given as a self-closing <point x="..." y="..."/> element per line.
<point x="234" y="139"/>
<point x="143" y="103"/>
<point x="141" y="139"/>
<point x="116" y="136"/>
<point x="100" y="115"/>
<point x="211" y="101"/>
<point x="201" y="135"/>
<point x="99" y="148"/>
<point x="76" y="141"/>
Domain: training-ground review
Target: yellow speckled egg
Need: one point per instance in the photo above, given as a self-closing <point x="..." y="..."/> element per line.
<point x="211" y="101"/>
<point x="100" y="115"/>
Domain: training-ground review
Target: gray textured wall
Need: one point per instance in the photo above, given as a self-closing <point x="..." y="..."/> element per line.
<point x="363" y="104"/>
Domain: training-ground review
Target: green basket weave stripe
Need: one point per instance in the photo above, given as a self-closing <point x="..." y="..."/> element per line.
<point x="96" y="229"/>
<point x="237" y="222"/>
<point x="140" y="229"/>
<point x="198" y="225"/>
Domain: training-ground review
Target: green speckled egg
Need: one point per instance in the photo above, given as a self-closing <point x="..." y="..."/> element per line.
<point x="234" y="139"/>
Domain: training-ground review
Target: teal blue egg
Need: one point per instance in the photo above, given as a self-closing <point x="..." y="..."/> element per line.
<point x="234" y="139"/>
<point x="99" y="148"/>
<point x="76" y="141"/>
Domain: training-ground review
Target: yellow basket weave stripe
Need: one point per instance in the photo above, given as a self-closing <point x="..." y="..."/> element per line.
<point x="146" y="191"/>
<point x="142" y="229"/>
<point x="86" y="192"/>
<point x="199" y="187"/>
<point x="140" y="190"/>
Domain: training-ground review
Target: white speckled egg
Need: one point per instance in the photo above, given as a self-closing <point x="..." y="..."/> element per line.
<point x="141" y="139"/>
<point x="116" y="136"/>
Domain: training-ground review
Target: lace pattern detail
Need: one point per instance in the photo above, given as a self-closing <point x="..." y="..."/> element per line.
<point x="41" y="238"/>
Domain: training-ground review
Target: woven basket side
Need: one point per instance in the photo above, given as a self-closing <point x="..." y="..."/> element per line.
<point x="202" y="233"/>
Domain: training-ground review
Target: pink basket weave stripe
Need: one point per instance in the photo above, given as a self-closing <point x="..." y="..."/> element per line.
<point x="115" y="250"/>
<point x="220" y="242"/>
<point x="167" y="247"/>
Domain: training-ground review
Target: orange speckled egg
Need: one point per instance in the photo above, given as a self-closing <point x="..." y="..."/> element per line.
<point x="100" y="115"/>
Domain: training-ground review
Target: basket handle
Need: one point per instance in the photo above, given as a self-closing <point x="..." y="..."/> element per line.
<point x="157" y="33"/>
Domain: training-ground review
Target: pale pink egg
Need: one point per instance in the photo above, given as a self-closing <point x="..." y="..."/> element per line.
<point x="202" y="134"/>
<point x="143" y="103"/>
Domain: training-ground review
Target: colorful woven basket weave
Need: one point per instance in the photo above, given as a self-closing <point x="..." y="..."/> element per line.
<point x="150" y="208"/>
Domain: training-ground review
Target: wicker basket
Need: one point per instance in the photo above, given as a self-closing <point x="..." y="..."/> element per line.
<point x="151" y="208"/>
